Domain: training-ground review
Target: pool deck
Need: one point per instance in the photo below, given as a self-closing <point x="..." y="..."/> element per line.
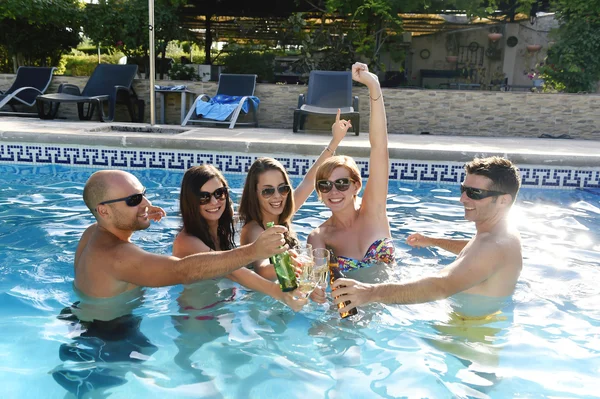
<point x="533" y="151"/>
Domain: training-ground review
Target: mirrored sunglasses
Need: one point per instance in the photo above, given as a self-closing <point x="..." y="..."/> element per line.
<point x="132" y="200"/>
<point x="325" y="186"/>
<point x="283" y="189"/>
<point x="220" y="194"/>
<point x="478" y="193"/>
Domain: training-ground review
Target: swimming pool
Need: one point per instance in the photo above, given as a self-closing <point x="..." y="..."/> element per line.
<point x="246" y="345"/>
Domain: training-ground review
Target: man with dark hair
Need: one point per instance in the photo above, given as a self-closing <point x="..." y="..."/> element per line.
<point x="483" y="276"/>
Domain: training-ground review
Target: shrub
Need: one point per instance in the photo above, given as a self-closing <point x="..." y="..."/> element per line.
<point x="244" y="60"/>
<point x="573" y="62"/>
<point x="5" y="61"/>
<point x="83" y="65"/>
<point x="183" y="72"/>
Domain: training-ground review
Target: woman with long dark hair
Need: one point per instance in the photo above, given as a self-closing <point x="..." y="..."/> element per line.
<point x="207" y="213"/>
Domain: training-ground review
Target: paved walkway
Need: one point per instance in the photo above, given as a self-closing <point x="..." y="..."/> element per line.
<point x="535" y="151"/>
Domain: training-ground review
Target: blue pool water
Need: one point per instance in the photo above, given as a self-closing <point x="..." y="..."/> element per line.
<point x="246" y="345"/>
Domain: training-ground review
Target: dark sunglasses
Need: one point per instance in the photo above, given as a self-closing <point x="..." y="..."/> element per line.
<point x="220" y="194"/>
<point x="283" y="189"/>
<point x="343" y="184"/>
<point x="132" y="200"/>
<point x="478" y="193"/>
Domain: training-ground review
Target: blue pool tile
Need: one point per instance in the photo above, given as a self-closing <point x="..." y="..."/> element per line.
<point x="297" y="166"/>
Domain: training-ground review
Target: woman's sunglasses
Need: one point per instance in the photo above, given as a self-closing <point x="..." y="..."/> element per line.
<point x="478" y="193"/>
<point x="343" y="184"/>
<point x="132" y="200"/>
<point x="283" y="189"/>
<point x="220" y="194"/>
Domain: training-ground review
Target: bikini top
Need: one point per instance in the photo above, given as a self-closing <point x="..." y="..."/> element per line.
<point x="380" y="251"/>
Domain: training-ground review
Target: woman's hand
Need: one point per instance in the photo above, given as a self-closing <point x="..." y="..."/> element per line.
<point x="295" y="263"/>
<point x="340" y="127"/>
<point x="361" y="74"/>
<point x="294" y="300"/>
<point x="318" y="295"/>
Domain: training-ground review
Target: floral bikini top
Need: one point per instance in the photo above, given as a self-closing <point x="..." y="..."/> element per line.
<point x="380" y="251"/>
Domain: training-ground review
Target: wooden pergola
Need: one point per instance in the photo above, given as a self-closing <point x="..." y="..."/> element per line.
<point x="232" y="20"/>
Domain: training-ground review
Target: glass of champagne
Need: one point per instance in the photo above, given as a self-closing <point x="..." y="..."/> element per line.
<point x="306" y="281"/>
<point x="237" y="228"/>
<point x="321" y="266"/>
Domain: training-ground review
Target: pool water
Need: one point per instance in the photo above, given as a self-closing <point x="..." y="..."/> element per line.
<point x="215" y="339"/>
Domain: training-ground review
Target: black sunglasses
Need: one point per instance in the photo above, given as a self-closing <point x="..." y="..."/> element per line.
<point x="343" y="184"/>
<point x="283" y="189"/>
<point x="132" y="200"/>
<point x="220" y="194"/>
<point x="478" y="193"/>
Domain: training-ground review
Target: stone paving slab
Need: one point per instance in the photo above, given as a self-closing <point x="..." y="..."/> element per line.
<point x="535" y="151"/>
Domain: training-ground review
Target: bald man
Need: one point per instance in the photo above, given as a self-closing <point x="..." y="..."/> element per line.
<point x="107" y="264"/>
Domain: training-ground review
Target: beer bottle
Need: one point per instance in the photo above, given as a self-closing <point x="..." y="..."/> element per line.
<point x="284" y="269"/>
<point x="334" y="274"/>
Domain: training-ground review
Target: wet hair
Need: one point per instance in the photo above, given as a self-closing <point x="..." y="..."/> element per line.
<point x="503" y="173"/>
<point x="327" y="168"/>
<point x="249" y="209"/>
<point x="193" y="221"/>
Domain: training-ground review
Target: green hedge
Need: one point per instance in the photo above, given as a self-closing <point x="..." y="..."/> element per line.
<point x="83" y="65"/>
<point x="6" y="65"/>
<point x="241" y="60"/>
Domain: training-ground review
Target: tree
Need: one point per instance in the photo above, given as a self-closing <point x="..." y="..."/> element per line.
<point x="123" y="25"/>
<point x="38" y="32"/>
<point x="363" y="29"/>
<point x="573" y="62"/>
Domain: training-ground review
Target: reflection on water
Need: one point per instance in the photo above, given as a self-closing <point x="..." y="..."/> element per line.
<point x="215" y="339"/>
<point x="104" y="332"/>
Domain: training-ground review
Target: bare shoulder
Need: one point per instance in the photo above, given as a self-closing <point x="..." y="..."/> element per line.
<point x="316" y="234"/>
<point x="501" y="245"/>
<point x="85" y="237"/>
<point x="84" y="240"/>
<point x="186" y="244"/>
<point x="318" y="237"/>
<point x="250" y="232"/>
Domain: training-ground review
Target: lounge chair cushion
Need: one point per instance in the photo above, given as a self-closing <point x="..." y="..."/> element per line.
<point x="221" y="106"/>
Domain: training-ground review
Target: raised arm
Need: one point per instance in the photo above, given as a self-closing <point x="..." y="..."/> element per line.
<point x="481" y="262"/>
<point x="376" y="190"/>
<point x="136" y="266"/>
<point x="306" y="187"/>
<point x="451" y="245"/>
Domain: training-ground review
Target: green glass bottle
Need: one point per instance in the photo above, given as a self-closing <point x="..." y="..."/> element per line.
<point x="284" y="269"/>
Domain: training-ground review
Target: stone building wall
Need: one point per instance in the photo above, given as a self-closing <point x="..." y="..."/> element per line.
<point x="444" y="112"/>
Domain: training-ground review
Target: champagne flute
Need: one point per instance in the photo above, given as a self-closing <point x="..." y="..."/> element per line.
<point x="321" y="266"/>
<point x="306" y="280"/>
<point x="237" y="228"/>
